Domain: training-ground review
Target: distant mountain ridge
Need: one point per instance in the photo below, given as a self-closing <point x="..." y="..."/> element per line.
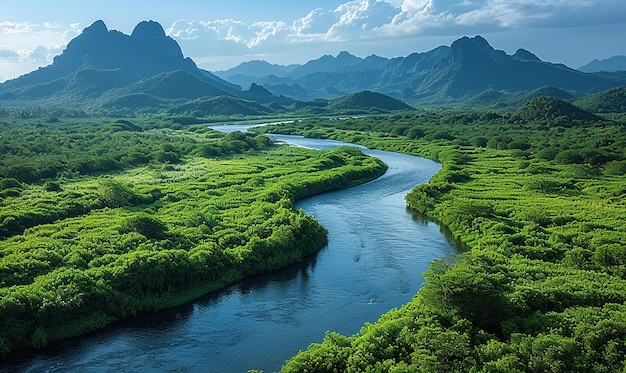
<point x="444" y="75"/>
<point x="612" y="64"/>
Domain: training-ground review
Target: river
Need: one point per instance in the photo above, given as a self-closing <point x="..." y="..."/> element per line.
<point x="373" y="262"/>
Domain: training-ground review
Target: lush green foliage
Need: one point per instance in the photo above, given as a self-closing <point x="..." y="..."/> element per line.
<point x="610" y="101"/>
<point x="542" y="287"/>
<point x="203" y="210"/>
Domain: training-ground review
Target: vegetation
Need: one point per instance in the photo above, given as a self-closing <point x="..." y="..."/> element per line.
<point x="102" y="220"/>
<point x="539" y="203"/>
<point x="610" y="101"/>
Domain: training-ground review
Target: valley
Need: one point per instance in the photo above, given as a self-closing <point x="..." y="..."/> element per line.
<point x="117" y="199"/>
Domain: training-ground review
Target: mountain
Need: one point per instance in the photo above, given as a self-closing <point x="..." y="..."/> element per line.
<point x="257" y="69"/>
<point x="318" y="76"/>
<point x="343" y="63"/>
<point x="555" y="111"/>
<point x="249" y="72"/>
<point x="444" y="75"/>
<point x="101" y="63"/>
<point x="615" y="63"/>
<point x="145" y="72"/>
<point x="371" y="102"/>
<point x="499" y="99"/>
<point x="609" y="101"/>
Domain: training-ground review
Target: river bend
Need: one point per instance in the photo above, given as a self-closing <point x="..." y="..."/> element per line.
<point x="373" y="262"/>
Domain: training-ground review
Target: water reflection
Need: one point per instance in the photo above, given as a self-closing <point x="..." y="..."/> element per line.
<point x="447" y="233"/>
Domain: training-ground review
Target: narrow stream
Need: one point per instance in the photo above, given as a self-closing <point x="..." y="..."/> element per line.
<point x="373" y="262"/>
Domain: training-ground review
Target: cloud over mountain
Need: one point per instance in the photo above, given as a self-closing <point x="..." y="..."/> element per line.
<point x="377" y="19"/>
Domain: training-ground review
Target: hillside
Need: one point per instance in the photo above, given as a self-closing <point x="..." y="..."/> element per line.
<point x="368" y="101"/>
<point x="221" y="106"/>
<point x="610" y="101"/>
<point x="505" y="100"/>
<point x="555" y="111"/>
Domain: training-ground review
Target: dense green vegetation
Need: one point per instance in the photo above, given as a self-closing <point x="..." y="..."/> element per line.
<point x="610" y="101"/>
<point x="538" y="199"/>
<point x="104" y="219"/>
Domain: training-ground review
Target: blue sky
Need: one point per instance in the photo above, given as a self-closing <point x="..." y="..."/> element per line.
<point x="221" y="34"/>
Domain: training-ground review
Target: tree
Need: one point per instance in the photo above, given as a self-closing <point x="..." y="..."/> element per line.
<point x="146" y="225"/>
<point x="114" y="194"/>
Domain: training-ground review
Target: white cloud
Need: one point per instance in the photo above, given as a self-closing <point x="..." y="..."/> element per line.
<point x="315" y="24"/>
<point x="8" y="27"/>
<point x="385" y="20"/>
<point x="41" y="54"/>
<point x="358" y="19"/>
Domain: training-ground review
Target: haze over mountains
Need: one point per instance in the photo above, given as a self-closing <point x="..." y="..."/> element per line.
<point x="612" y="64"/>
<point x="146" y="71"/>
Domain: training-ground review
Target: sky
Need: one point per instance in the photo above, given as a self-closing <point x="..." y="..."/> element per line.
<point x="219" y="35"/>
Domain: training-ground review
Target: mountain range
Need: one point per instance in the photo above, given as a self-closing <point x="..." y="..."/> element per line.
<point x="468" y="67"/>
<point x="612" y="64"/>
<point x="109" y="72"/>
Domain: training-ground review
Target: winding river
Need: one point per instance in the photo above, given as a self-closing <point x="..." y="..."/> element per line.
<point x="373" y="262"/>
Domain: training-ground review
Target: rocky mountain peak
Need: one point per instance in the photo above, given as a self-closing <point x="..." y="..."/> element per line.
<point x="477" y="42"/>
<point x="96" y="28"/>
<point x="524" y="55"/>
<point x="258" y="90"/>
<point x="148" y="30"/>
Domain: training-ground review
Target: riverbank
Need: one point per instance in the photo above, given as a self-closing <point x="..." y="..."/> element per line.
<point x="542" y="284"/>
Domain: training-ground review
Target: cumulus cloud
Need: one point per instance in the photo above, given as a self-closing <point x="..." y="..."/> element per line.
<point x="8" y="27"/>
<point x="41" y="54"/>
<point x="375" y="19"/>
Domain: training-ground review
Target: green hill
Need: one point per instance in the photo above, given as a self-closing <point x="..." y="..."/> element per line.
<point x="610" y="101"/>
<point x="175" y="85"/>
<point x="135" y="101"/>
<point x="367" y="101"/>
<point x="552" y="109"/>
<point x="498" y="99"/>
<point x="221" y="106"/>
